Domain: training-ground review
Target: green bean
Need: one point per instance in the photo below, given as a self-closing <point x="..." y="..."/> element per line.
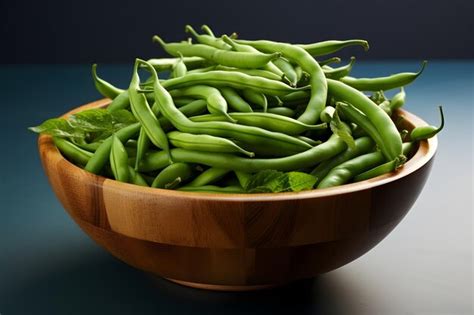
<point x="143" y="143"/>
<point x="71" y="151"/>
<point x="223" y="57"/>
<point x="235" y="100"/>
<point x="119" y="160"/>
<point x="101" y="156"/>
<point x="208" y="39"/>
<point x="266" y="121"/>
<point x="310" y="141"/>
<point x="329" y="61"/>
<point x="206" y="29"/>
<point x="179" y="68"/>
<point x="331" y="46"/>
<point x="142" y="111"/>
<point x="173" y="175"/>
<point x="209" y="176"/>
<point x="246" y="48"/>
<point x="194" y="108"/>
<point x="383" y="83"/>
<point x="121" y="101"/>
<point x="395" y="103"/>
<point x="245" y="134"/>
<point x="252" y="72"/>
<point x="337" y="73"/>
<point x="256" y="98"/>
<point x="295" y="98"/>
<point x="392" y="144"/>
<point x="344" y="172"/>
<point x="181" y="101"/>
<point x="168" y="63"/>
<point x="326" y="114"/>
<point x="91" y="147"/>
<point x="232" y="79"/>
<point x="377" y="171"/>
<point x="362" y="145"/>
<point x="104" y="87"/>
<point x="308" y="158"/>
<point x="214" y="189"/>
<point x="355" y="116"/>
<point x="216" y="103"/>
<point x="426" y="132"/>
<point x="318" y="82"/>
<point x="205" y="143"/>
<point x="136" y="178"/>
<point x="282" y="111"/>
<point x="285" y="66"/>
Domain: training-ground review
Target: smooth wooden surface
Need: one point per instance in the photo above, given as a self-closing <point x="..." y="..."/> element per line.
<point x="237" y="240"/>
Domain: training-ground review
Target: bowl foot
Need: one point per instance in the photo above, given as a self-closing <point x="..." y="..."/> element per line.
<point x="219" y="287"/>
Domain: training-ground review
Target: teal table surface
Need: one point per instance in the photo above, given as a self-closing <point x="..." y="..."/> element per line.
<point x="49" y="266"/>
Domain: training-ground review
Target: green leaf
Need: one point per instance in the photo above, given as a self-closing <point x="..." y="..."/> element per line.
<point x="92" y="120"/>
<point x="58" y="127"/>
<point x="299" y="181"/>
<point x="267" y="181"/>
<point x="342" y="130"/>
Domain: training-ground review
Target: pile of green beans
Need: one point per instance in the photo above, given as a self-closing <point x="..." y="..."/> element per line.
<point x="222" y="109"/>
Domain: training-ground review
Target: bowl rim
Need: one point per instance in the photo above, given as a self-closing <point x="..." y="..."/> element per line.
<point x="424" y="153"/>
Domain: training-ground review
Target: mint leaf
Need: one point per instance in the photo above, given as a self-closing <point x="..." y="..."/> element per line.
<point x="299" y="181"/>
<point x="92" y="120"/>
<point x="342" y="130"/>
<point x="267" y="181"/>
<point x="58" y="127"/>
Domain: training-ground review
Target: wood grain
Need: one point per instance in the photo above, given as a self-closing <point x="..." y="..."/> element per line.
<point x="237" y="241"/>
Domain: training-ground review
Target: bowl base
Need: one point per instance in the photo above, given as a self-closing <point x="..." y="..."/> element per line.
<point x="219" y="287"/>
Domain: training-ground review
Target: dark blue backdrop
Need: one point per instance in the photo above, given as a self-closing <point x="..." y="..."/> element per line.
<point x="57" y="31"/>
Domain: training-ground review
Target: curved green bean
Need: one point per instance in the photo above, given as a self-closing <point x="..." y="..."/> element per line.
<point x="119" y="160"/>
<point x="101" y="156"/>
<point x="104" y="87"/>
<point x="266" y="121"/>
<point x="223" y="57"/>
<point x="383" y="83"/>
<point x="318" y="82"/>
<point x="362" y="145"/>
<point x="71" y="151"/>
<point x="209" y="176"/>
<point x="337" y="73"/>
<point x="332" y="46"/>
<point x="216" y="103"/>
<point x="355" y="116"/>
<point x="233" y="79"/>
<point x="205" y="143"/>
<point x="235" y="100"/>
<point x="387" y="130"/>
<point x="256" y="98"/>
<point x="282" y="111"/>
<point x="377" y="171"/>
<point x="142" y="111"/>
<point x="207" y="39"/>
<point x="426" y="132"/>
<point x="172" y="176"/>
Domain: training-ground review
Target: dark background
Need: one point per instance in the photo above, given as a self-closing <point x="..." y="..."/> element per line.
<point x="118" y="31"/>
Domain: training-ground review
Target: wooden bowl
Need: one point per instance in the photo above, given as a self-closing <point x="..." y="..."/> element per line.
<point x="236" y="241"/>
